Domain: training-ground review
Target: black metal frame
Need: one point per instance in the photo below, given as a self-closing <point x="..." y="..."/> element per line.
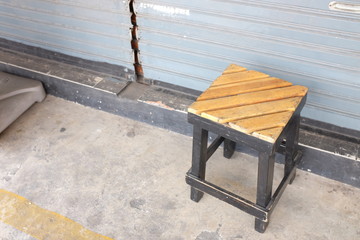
<point x="265" y="200"/>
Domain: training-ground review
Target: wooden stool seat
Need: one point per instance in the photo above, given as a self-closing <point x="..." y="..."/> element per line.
<point x="250" y="102"/>
<point x="254" y="109"/>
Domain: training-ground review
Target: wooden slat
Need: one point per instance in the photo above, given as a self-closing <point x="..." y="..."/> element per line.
<point x="238" y="77"/>
<point x="243" y="87"/>
<point x="233" y="68"/>
<point x="237" y="113"/>
<point x="247" y="99"/>
<point x="250" y="125"/>
<point x="212" y="87"/>
<point x="269" y="135"/>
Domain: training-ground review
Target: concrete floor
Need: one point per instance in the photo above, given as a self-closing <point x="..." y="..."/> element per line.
<point x="125" y="180"/>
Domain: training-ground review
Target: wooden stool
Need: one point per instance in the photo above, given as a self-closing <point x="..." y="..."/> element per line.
<point x="253" y="109"/>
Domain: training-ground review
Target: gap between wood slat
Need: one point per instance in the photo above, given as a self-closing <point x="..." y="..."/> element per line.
<point x="243" y="87"/>
<point x="259" y="123"/>
<point x="237" y="83"/>
<point x="238" y="113"/>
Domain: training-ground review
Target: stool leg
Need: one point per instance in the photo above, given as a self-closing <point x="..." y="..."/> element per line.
<point x="264" y="185"/>
<point x="291" y="147"/>
<point x="200" y="140"/>
<point x="229" y="148"/>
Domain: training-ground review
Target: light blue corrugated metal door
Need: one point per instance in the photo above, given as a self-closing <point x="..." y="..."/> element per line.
<point x="89" y="29"/>
<point x="189" y="43"/>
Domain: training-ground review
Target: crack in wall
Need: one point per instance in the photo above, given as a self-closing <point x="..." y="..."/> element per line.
<point x="135" y="45"/>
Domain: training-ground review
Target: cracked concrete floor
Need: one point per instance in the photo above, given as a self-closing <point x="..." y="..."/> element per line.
<point x="125" y="180"/>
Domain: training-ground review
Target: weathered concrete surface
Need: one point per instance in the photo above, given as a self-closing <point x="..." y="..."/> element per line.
<point x="125" y="180"/>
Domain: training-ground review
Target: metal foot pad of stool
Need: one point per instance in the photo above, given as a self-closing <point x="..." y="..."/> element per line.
<point x="260" y="226"/>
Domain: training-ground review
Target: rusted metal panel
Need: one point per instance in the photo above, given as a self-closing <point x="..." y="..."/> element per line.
<point x="89" y="29"/>
<point x="189" y="43"/>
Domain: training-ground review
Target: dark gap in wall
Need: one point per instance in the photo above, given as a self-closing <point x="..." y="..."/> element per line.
<point x="135" y="45"/>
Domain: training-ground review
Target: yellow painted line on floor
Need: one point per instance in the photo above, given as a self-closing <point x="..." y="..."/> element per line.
<point x="41" y="223"/>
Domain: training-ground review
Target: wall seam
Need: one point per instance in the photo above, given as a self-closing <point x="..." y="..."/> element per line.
<point x="135" y="45"/>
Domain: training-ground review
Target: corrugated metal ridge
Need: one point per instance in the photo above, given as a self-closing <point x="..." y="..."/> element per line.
<point x="320" y="79"/>
<point x="62" y="26"/>
<point x="82" y="5"/>
<point x="65" y="48"/>
<point x="296" y="9"/>
<point x="104" y="46"/>
<point x="265" y="37"/>
<point x="310" y="104"/>
<point x="303" y="28"/>
<point x="185" y="62"/>
<point x="317" y="92"/>
<point x="185" y="42"/>
<point x="227" y="59"/>
<point x="312" y="91"/>
<point x="62" y="14"/>
<point x="269" y="53"/>
<point x="207" y="81"/>
<point x="277" y="6"/>
<point x="331" y="94"/>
